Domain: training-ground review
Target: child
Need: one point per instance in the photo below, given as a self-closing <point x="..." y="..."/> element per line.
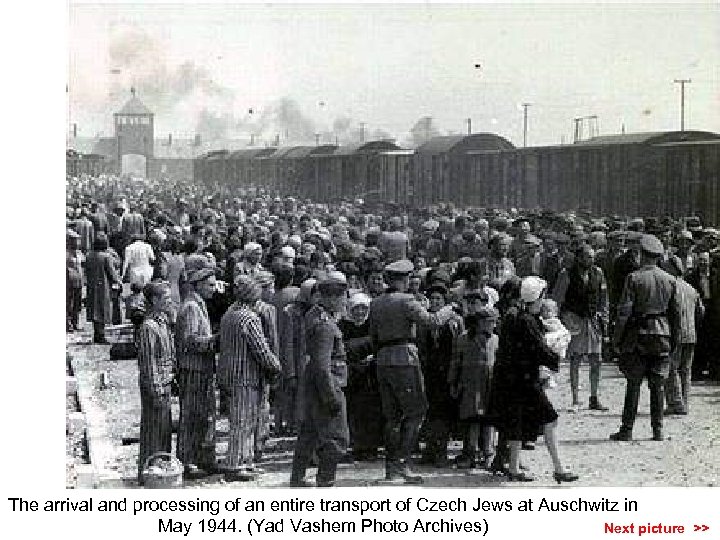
<point x="557" y="338"/>
<point x="469" y="376"/>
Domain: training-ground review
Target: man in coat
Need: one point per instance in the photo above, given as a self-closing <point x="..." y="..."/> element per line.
<point x="101" y="278"/>
<point x="196" y="347"/>
<point x="156" y="360"/>
<point x="645" y="333"/>
<point x="324" y="426"/>
<point x="393" y="319"/>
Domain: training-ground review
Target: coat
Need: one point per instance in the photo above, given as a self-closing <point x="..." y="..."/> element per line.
<point x="101" y="276"/>
<point x="471" y="373"/>
<point x="518" y="404"/>
<point x="194" y="341"/>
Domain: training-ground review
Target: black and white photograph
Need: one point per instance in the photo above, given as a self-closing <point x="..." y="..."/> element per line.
<point x="369" y="244"/>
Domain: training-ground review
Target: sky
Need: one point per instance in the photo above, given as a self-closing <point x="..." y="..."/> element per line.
<point x="335" y="69"/>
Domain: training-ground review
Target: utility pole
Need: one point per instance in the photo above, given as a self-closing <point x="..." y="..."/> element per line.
<point x="469" y="124"/>
<point x="525" y="118"/>
<point x="362" y="131"/>
<point x="577" y="133"/>
<point x="317" y="139"/>
<point x="682" y="83"/>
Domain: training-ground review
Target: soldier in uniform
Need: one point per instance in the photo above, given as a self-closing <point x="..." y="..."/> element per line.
<point x="393" y="317"/>
<point x="324" y="426"/>
<point x="645" y="333"/>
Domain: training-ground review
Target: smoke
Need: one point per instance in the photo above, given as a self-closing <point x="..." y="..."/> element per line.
<point x="422" y="131"/>
<point x="140" y="61"/>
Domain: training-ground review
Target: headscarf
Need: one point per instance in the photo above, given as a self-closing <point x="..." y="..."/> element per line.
<point x="531" y="288"/>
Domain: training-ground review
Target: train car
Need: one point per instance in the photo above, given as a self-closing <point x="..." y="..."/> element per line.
<point x="350" y="172"/>
<point x="295" y="174"/>
<point x="643" y="174"/>
<point x="397" y="178"/>
<point x="242" y="167"/>
<point x="441" y="168"/>
<point x="690" y="174"/>
<point x="78" y="164"/>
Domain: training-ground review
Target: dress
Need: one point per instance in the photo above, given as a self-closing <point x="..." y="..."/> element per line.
<point x="518" y="405"/>
<point x="137" y="266"/>
<point x="471" y="372"/>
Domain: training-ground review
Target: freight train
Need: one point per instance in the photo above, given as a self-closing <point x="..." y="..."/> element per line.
<point x="645" y="174"/>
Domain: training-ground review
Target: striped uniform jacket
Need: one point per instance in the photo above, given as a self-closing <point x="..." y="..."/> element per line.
<point x="193" y="335"/>
<point x="156" y="353"/>
<point x="245" y="355"/>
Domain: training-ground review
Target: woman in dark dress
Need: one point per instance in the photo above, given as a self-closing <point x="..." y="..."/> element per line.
<point x="521" y="410"/>
<point x="364" y="410"/>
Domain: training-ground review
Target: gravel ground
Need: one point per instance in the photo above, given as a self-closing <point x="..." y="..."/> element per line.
<point x="691" y="456"/>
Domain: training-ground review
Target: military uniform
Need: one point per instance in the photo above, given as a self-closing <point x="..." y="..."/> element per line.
<point x="393" y="318"/>
<point x="324" y="426"/>
<point x="645" y="333"/>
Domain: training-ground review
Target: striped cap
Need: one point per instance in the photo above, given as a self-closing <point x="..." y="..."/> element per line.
<point x="247" y="289"/>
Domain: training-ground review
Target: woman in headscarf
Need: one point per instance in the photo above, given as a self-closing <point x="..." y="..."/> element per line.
<point x="101" y="278"/>
<point x="521" y="408"/>
<point x="137" y="265"/>
<point x="365" y="418"/>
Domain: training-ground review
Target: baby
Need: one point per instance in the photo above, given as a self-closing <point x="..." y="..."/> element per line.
<point x="557" y="337"/>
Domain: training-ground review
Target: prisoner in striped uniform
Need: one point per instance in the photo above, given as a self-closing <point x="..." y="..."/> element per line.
<point x="156" y="362"/>
<point x="196" y="369"/>
<point x="245" y="362"/>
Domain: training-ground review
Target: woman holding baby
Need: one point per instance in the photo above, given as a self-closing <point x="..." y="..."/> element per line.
<point x="520" y="409"/>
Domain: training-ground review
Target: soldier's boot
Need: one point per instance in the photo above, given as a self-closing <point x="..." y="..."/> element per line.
<point x="297" y="477"/>
<point x="657" y="400"/>
<point x="326" y="473"/>
<point x="632" y="397"/>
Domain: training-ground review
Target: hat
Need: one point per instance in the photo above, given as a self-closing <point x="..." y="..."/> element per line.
<point x="200" y="274"/>
<point x="531" y="288"/>
<point x="563" y="238"/>
<point x="332" y="280"/>
<point x="71" y="234"/>
<point x="359" y="299"/>
<point x="475" y="293"/>
<point x="403" y="267"/>
<point x="430" y="225"/>
<point x="251" y="247"/>
<point x="651" y="245"/>
<point x="264" y="278"/>
<point x="306" y="289"/>
<point x="685" y="235"/>
<point x="531" y="239"/>
<point x="437" y="288"/>
<point x="247" y="289"/>
<point x="288" y="251"/>
<point x="487" y="312"/>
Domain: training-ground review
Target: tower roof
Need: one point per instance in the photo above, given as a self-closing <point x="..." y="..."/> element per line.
<point x="134" y="106"/>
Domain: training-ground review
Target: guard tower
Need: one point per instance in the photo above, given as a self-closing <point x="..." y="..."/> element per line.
<point x="134" y="134"/>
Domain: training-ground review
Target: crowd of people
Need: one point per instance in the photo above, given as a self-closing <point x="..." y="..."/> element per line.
<point x="370" y="330"/>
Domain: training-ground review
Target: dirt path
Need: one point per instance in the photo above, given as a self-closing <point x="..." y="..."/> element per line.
<point x="691" y="456"/>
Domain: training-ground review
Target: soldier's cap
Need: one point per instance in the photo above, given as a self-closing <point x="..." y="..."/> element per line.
<point x="619" y="235"/>
<point x="401" y="267"/>
<point x="651" y="245"/>
<point x="71" y="234"/>
<point x="633" y="237"/>
<point x="487" y="312"/>
<point x="332" y="280"/>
